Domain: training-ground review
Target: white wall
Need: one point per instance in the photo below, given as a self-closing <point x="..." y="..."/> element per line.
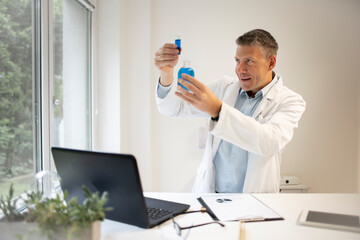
<point x="318" y="58"/>
<point x="106" y="88"/>
<point x="122" y="89"/>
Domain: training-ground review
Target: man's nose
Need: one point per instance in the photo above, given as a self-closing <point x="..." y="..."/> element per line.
<point x="240" y="67"/>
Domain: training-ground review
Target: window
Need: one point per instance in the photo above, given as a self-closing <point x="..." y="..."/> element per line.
<point x="45" y="85"/>
<point x="17" y="93"/>
<point x="71" y="74"/>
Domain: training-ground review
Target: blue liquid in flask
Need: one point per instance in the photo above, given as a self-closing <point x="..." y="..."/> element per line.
<point x="186" y="69"/>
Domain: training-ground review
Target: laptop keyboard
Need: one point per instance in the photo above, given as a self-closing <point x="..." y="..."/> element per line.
<point x="156" y="213"/>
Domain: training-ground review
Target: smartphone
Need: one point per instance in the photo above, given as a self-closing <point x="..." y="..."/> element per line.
<point x="330" y="220"/>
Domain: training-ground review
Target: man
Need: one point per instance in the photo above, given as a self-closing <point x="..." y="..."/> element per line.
<point x="252" y="118"/>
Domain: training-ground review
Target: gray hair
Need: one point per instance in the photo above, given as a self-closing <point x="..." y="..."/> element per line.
<point x="261" y="38"/>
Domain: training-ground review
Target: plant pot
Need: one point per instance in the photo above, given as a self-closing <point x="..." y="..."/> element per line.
<point x="93" y="232"/>
<point x="14" y="230"/>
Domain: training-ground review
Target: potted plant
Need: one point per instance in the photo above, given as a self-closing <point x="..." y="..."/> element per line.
<point x="53" y="218"/>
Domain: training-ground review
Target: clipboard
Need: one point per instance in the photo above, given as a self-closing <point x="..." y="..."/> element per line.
<point x="237" y="207"/>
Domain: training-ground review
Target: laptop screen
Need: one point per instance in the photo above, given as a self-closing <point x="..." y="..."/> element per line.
<point x="115" y="173"/>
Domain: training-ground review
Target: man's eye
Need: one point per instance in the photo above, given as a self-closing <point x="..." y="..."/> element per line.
<point x="249" y="61"/>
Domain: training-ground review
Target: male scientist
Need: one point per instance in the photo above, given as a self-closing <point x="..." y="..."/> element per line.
<point x="252" y="118"/>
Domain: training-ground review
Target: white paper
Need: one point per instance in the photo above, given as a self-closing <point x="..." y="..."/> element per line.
<point x="230" y="207"/>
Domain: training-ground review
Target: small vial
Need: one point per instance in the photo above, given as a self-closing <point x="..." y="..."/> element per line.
<point x="186" y="69"/>
<point x="178" y="43"/>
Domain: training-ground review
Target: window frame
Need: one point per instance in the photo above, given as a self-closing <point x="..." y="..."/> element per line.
<point x="43" y="80"/>
<point x="44" y="77"/>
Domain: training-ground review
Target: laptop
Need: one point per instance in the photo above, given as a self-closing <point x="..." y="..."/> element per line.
<point x="118" y="175"/>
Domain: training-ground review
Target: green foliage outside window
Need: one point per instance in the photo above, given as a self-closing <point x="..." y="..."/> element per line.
<point x="16" y="89"/>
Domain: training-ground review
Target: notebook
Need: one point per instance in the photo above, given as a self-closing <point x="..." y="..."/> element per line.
<point x="237" y="207"/>
<point x="118" y="175"/>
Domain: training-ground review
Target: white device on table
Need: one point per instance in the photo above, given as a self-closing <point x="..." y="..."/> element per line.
<point x="330" y="220"/>
<point x="289" y="180"/>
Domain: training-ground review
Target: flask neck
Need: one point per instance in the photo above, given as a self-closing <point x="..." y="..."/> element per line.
<point x="186" y="64"/>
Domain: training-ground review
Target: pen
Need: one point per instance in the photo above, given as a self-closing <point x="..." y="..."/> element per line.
<point x="254" y="219"/>
<point x="242" y="230"/>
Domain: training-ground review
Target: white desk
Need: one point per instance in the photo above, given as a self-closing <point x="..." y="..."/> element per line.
<point x="288" y="206"/>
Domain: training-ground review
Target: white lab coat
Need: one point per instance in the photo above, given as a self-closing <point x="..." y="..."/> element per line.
<point x="264" y="135"/>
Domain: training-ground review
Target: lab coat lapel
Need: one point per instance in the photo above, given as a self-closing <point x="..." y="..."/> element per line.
<point x="232" y="95"/>
<point x="267" y="100"/>
<point x="262" y="106"/>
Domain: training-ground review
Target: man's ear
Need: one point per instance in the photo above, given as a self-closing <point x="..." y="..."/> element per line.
<point x="272" y="62"/>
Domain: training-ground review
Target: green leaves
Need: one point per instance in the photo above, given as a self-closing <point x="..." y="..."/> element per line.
<point x="16" y="88"/>
<point x="92" y="208"/>
<point x="8" y="207"/>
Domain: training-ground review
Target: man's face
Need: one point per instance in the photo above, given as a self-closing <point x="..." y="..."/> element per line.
<point x="253" y="70"/>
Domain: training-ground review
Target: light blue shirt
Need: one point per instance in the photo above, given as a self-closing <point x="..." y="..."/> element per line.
<point x="162" y="91"/>
<point x="230" y="160"/>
